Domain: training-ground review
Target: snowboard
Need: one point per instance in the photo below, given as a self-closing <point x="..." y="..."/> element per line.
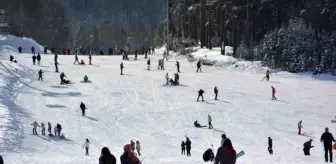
<point x="241" y="153"/>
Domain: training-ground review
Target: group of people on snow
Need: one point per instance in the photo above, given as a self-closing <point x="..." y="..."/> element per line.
<point x="57" y="128"/>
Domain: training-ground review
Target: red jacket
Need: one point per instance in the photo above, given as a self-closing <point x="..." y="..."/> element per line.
<point x="273" y="90"/>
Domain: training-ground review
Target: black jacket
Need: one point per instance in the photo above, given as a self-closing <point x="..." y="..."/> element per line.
<point x="38" y="57"/>
<point x="183" y="145"/>
<point x="82" y="106"/>
<point x="200" y="92"/>
<point x="307" y="145"/>
<point x="270" y="143"/>
<point x="327" y="139"/>
<point x="215" y="90"/>
<point x="188" y="144"/>
<point x="109" y="159"/>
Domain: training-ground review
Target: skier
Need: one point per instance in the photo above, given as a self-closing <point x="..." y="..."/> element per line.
<point x="148" y="63"/>
<point x="307" y="146"/>
<point x="106" y="157"/>
<point x="300" y="127"/>
<point x="59" y="129"/>
<point x="167" y="79"/>
<point x="121" y="68"/>
<point x="200" y="94"/>
<point x="183" y="147"/>
<point x="199" y="65"/>
<point x="83" y="107"/>
<point x="210" y="120"/>
<point x="49" y="128"/>
<point x="90" y="58"/>
<point x="86" y="146"/>
<point x="268" y="73"/>
<point x="178" y="66"/>
<point x="270" y="145"/>
<point x="56" y="62"/>
<point x="273" y="93"/>
<point x="33" y="50"/>
<point x="138" y="147"/>
<point x="226" y="154"/>
<point x="76" y="59"/>
<point x="38" y="57"/>
<point x="216" y="92"/>
<point x="43" y="128"/>
<point x="128" y="157"/>
<point x="188" y="146"/>
<point x="20" y="50"/>
<point x="327" y="139"/>
<point x="40" y="73"/>
<point x="34" y="59"/>
<point x="35" y="125"/>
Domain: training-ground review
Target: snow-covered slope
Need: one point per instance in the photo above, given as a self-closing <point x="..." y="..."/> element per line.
<point x="10" y="42"/>
<point x="138" y="106"/>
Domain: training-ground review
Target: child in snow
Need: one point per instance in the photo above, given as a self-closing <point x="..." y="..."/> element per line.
<point x="307" y="146"/>
<point x="86" y="145"/>
<point x="40" y="73"/>
<point x="35" y="125"/>
<point x="273" y="93"/>
<point x="183" y="145"/>
<point x="86" y="78"/>
<point x="299" y="127"/>
<point x="138" y="147"/>
<point x="43" y="128"/>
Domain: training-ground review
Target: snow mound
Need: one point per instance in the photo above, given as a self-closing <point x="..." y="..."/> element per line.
<point x="10" y="42"/>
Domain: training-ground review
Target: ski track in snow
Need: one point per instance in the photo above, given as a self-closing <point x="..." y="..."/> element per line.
<point x="138" y="106"/>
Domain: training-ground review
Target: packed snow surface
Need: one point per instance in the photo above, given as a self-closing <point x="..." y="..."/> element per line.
<point x="138" y="106"/>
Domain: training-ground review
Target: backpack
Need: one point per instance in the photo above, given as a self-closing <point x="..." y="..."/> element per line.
<point x="208" y="155"/>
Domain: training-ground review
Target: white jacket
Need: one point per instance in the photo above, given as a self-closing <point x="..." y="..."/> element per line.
<point x="138" y="147"/>
<point x="86" y="144"/>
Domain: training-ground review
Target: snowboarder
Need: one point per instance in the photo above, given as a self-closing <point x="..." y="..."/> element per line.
<point x="34" y="59"/>
<point x="327" y="139"/>
<point x="216" y="92"/>
<point x="106" y="157"/>
<point x="83" y="107"/>
<point x="86" y="146"/>
<point x="270" y="145"/>
<point x="183" y="147"/>
<point x="35" y="125"/>
<point x="56" y="62"/>
<point x="76" y="59"/>
<point x="148" y="64"/>
<point x="188" y="146"/>
<point x="38" y="57"/>
<point x="200" y="94"/>
<point x="59" y="129"/>
<point x="40" y="73"/>
<point x="43" y="128"/>
<point x="33" y="50"/>
<point x="210" y="120"/>
<point x="178" y="66"/>
<point x="268" y="73"/>
<point x="226" y="153"/>
<point x="199" y="65"/>
<point x="167" y="79"/>
<point x="49" y="128"/>
<point x="121" y="68"/>
<point x="307" y="146"/>
<point x="273" y="93"/>
<point x="300" y="127"/>
<point x="138" y="147"/>
<point x="20" y="50"/>
<point x="90" y="58"/>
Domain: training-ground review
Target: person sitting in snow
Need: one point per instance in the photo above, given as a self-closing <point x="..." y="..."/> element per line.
<point x="86" y="78"/>
<point x="197" y="125"/>
<point x="82" y="62"/>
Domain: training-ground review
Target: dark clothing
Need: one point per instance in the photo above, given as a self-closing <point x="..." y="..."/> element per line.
<point x="216" y="92"/>
<point x="306" y="148"/>
<point x="34" y="131"/>
<point x="34" y="59"/>
<point x="328" y="150"/>
<point x="59" y="129"/>
<point x="40" y="75"/>
<point x="210" y="125"/>
<point x="188" y="146"/>
<point x="45" y="50"/>
<point x="225" y="155"/>
<point x="76" y="59"/>
<point x="11" y="58"/>
<point x="199" y="66"/>
<point x="200" y="94"/>
<point x="38" y="57"/>
<point x="108" y="159"/>
<point x="20" y="50"/>
<point x="270" y="146"/>
<point x="183" y="147"/>
<point x="33" y="50"/>
<point x="208" y="155"/>
<point x="121" y="68"/>
<point x="327" y="139"/>
<point x="82" y="106"/>
<point x="68" y="51"/>
<point x="127" y="159"/>
<point x="178" y="66"/>
<point x="1" y="160"/>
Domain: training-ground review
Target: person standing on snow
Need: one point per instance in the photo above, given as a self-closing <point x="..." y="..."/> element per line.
<point x="273" y="93"/>
<point x="56" y="62"/>
<point x="226" y="154"/>
<point x="43" y="128"/>
<point x="33" y="50"/>
<point x="210" y="120"/>
<point x="200" y="94"/>
<point x="183" y="147"/>
<point x="216" y="92"/>
<point x="121" y="68"/>
<point x="86" y="146"/>
<point x="38" y="57"/>
<point x="45" y="49"/>
<point x="178" y="66"/>
<point x="59" y="129"/>
<point x="106" y="157"/>
<point x="148" y="64"/>
<point x="40" y="73"/>
<point x="83" y="107"/>
<point x="167" y="79"/>
<point x="307" y="146"/>
<point x="300" y="127"/>
<point x="270" y="145"/>
<point x="327" y="138"/>
<point x="55" y="130"/>
<point x="76" y="59"/>
<point x="90" y="58"/>
<point x="188" y="146"/>
<point x="35" y="125"/>
<point x="49" y="128"/>
<point x="223" y="139"/>
<point x="138" y="147"/>
<point x="268" y="73"/>
<point x="199" y="65"/>
<point x="34" y="59"/>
